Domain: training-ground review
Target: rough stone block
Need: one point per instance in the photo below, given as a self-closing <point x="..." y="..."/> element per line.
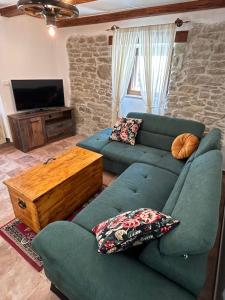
<point x="104" y="71"/>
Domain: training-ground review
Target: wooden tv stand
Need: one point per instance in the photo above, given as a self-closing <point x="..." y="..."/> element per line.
<point x="34" y="129"/>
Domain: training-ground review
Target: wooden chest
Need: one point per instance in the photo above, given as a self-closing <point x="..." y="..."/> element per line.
<point x="52" y="191"/>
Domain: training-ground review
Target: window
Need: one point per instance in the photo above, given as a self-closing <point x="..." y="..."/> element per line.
<point x="134" y="88"/>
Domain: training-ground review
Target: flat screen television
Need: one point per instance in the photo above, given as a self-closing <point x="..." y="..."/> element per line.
<point x="37" y="94"/>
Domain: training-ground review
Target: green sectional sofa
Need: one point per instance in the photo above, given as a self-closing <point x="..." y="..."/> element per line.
<point x="173" y="267"/>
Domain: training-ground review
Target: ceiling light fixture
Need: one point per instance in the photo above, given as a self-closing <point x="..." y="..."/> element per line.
<point x="50" y="10"/>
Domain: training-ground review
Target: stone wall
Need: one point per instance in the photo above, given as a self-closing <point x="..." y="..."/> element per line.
<point x="196" y="90"/>
<point x="90" y="78"/>
<point x="197" y="86"/>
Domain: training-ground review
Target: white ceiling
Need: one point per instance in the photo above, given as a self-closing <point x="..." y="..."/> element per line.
<point x="6" y="2"/>
<point x="108" y="6"/>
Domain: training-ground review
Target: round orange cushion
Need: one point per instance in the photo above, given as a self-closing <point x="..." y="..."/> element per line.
<point x="184" y="145"/>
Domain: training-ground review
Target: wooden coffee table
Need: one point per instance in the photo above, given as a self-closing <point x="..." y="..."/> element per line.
<point x="53" y="190"/>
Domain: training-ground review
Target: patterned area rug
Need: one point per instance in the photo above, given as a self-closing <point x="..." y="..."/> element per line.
<point x="19" y="236"/>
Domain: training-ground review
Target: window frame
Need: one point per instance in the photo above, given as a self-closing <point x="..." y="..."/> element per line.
<point x="137" y="94"/>
<point x="131" y="92"/>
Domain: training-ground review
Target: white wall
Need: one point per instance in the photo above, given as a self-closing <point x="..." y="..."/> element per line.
<point x="26" y="52"/>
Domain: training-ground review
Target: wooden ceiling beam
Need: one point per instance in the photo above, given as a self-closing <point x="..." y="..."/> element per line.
<point x="10" y="11"/>
<point x="144" y="12"/>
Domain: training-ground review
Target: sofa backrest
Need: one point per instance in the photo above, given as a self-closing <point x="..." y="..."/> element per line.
<point x="175" y="194"/>
<point x="160" y="131"/>
<point x="210" y="141"/>
<point x="196" y="206"/>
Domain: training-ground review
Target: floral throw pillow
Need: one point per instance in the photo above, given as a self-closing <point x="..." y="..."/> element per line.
<point x="132" y="228"/>
<point x="125" y="130"/>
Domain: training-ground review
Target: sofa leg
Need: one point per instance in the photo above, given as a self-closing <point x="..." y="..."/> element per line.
<point x="57" y="292"/>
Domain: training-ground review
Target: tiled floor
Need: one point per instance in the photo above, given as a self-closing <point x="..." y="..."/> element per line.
<point x="18" y="280"/>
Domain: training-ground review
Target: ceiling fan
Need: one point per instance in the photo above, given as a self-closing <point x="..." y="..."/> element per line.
<point x="51" y="10"/>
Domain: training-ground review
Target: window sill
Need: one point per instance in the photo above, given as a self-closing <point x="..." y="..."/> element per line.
<point x="134" y="96"/>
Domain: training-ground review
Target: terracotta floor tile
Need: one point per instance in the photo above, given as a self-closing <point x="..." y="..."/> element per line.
<point x="15" y="154"/>
<point x="42" y="292"/>
<point x="18" y="280"/>
<point x="25" y="159"/>
<point x="14" y="172"/>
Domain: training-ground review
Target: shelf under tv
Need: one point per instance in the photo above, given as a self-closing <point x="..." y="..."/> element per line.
<point x="34" y="129"/>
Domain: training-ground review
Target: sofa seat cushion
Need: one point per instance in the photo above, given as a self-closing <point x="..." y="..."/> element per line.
<point x="128" y="154"/>
<point x="189" y="272"/>
<point x="97" y="141"/>
<point x="140" y="185"/>
<point x="73" y="264"/>
<point x="166" y="161"/>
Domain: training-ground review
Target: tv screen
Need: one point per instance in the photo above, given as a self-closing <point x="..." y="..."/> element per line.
<point x="34" y="94"/>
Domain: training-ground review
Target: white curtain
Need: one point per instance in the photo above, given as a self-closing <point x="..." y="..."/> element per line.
<point x="2" y="132"/>
<point x="123" y="57"/>
<point x="2" y="129"/>
<point x="155" y="50"/>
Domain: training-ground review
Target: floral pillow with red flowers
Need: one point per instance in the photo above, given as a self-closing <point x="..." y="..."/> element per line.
<point x="132" y="228"/>
<point x="125" y="130"/>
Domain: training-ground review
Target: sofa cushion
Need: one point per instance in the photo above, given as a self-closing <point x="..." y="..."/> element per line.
<point x="209" y="142"/>
<point x="74" y="266"/>
<point x="184" y="145"/>
<point x="125" y="130"/>
<point x="197" y="208"/>
<point x="189" y="272"/>
<point x="97" y="141"/>
<point x="166" y="162"/>
<point x="160" y="131"/>
<point x="132" y="228"/>
<point x="128" y="154"/>
<point x="140" y="185"/>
